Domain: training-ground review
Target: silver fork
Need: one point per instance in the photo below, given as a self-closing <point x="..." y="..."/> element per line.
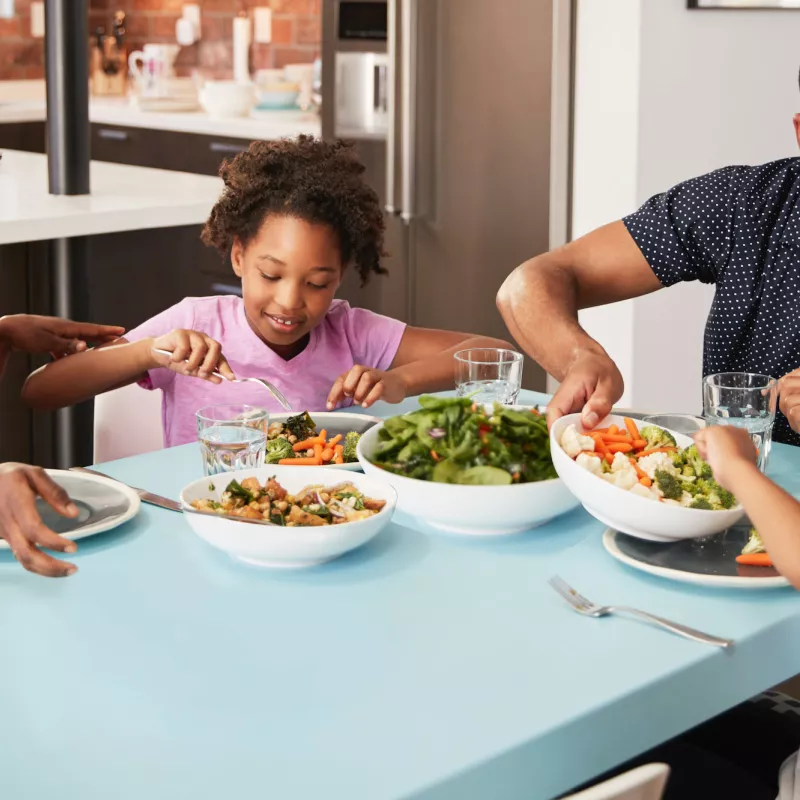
<point x="589" y="609"/>
<point x="274" y="391"/>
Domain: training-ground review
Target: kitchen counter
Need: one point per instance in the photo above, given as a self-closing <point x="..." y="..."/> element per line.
<point x="23" y="101"/>
<point x="123" y="198"/>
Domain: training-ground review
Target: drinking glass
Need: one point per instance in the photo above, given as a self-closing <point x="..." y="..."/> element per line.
<point x="232" y="437"/>
<point x="489" y="374"/>
<point x="687" y="424"/>
<point x="744" y="400"/>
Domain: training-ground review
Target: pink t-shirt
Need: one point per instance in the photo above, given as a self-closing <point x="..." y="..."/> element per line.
<point x="347" y="336"/>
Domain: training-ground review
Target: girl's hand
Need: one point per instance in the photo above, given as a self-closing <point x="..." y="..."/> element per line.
<point x="366" y="386"/>
<point x="193" y="354"/>
<point x="726" y="449"/>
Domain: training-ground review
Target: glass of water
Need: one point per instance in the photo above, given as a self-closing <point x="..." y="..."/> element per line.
<point x="490" y="374"/>
<point x="232" y="437"/>
<point x="744" y="400"/>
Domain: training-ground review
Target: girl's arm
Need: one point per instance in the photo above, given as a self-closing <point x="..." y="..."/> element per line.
<point x="774" y="513"/>
<point x="81" y="376"/>
<point x="423" y="363"/>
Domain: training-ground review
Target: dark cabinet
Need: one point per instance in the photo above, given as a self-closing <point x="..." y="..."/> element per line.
<point x="27" y="136"/>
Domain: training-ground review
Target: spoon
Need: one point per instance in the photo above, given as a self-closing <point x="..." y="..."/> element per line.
<point x="273" y="390"/>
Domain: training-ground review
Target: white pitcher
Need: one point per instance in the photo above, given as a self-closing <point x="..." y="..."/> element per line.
<point x="157" y="66"/>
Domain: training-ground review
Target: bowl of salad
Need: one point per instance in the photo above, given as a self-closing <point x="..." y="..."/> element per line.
<point x="287" y="517"/>
<point x="466" y="469"/>
<point x="324" y="439"/>
<point x="645" y="481"/>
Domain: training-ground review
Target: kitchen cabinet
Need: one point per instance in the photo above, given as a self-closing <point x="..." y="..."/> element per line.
<point x="27" y="136"/>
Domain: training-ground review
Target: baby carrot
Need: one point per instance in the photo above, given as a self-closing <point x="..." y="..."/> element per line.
<point x="599" y="430"/>
<point x="336" y="439"/>
<point x="656" y="450"/>
<point x="327" y="454"/>
<point x="323" y="435"/>
<point x="632" y="429"/>
<point x="338" y="454"/>
<point x="646" y="481"/>
<point x="617" y="437"/>
<point x="300" y="462"/>
<point x="639" y="444"/>
<point x="318" y="451"/>
<point x="619" y="447"/>
<point x="755" y="560"/>
<point x="644" y="478"/>
<point x="599" y="444"/>
<point x="306" y="445"/>
<point x="613" y="430"/>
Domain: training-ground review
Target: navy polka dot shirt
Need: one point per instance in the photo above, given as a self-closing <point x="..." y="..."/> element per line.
<point x="737" y="228"/>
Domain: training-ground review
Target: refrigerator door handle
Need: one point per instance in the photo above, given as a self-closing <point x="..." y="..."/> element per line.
<point x="392" y="92"/>
<point x="408" y="108"/>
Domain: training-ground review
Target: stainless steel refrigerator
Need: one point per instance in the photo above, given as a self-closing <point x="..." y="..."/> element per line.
<point x="461" y="110"/>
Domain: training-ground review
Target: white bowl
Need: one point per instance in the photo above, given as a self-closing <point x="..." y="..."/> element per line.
<point x="224" y="99"/>
<point x="626" y="512"/>
<point x="471" y="510"/>
<point x="335" y="422"/>
<point x="273" y="545"/>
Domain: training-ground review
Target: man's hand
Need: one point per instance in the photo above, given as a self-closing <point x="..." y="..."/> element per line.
<point x="592" y="385"/>
<point x="789" y="388"/>
<point x="726" y="449"/>
<point x="61" y="337"/>
<point x="366" y="386"/>
<point x="20" y="523"/>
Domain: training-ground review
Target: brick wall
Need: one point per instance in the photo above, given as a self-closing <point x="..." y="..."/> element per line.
<point x="295" y="34"/>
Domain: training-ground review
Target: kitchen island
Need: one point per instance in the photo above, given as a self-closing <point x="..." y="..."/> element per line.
<point x="137" y="225"/>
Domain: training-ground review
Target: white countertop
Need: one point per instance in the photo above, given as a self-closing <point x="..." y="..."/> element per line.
<point x="23" y="101"/>
<point x="123" y="198"/>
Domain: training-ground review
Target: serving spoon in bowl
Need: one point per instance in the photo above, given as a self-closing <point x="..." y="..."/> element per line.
<point x="272" y="389"/>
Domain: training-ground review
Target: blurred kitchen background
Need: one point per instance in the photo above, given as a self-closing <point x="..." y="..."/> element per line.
<point x="492" y="129"/>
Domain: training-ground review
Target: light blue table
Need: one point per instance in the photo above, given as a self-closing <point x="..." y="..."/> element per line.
<point x="418" y="667"/>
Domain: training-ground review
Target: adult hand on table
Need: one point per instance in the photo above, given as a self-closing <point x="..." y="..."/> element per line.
<point x="21" y="526"/>
<point x="60" y="337"/>
<point x="591" y="385"/>
<point x="789" y="388"/>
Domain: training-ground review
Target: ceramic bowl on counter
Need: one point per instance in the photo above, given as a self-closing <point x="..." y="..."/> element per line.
<point x="226" y="99"/>
<point x="626" y="512"/>
<point x="276" y="96"/>
<point x="470" y="510"/>
<point x="267" y="545"/>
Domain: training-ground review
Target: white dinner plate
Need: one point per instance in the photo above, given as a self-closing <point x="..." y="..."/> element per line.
<point x="703" y="562"/>
<point x="102" y="503"/>
<point x="336" y="422"/>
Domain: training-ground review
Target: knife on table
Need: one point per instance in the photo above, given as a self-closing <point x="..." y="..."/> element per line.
<point x="146" y="497"/>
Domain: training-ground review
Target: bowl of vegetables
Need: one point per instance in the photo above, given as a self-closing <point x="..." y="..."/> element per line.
<point x="466" y="469"/>
<point x="326" y="439"/>
<point x="648" y="482"/>
<point x="287" y="517"/>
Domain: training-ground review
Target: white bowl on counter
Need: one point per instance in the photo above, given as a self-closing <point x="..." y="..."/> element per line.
<point x="629" y="513"/>
<point x="471" y="510"/>
<point x="226" y="99"/>
<point x="275" y="546"/>
<point x="277" y="96"/>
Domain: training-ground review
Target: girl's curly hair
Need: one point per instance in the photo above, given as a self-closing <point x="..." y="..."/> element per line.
<point x="307" y="178"/>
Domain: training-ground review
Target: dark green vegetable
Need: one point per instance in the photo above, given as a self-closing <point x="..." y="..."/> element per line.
<point x="349" y="447"/>
<point x="449" y="440"/>
<point x="235" y="489"/>
<point x="669" y="484"/>
<point x="277" y="449"/>
<point x="301" y="426"/>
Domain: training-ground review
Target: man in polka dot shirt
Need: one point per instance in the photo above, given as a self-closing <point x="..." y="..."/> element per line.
<point x="737" y="228"/>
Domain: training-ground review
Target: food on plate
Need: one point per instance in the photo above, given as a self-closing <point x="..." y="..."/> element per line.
<point x="648" y="463"/>
<point x="754" y="554"/>
<point x="311" y="506"/>
<point x="296" y="442"/>
<point x="451" y="440"/>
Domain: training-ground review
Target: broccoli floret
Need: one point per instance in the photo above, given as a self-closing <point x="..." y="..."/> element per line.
<point x="301" y="426"/>
<point x="350" y="442"/>
<point x="669" y="484"/>
<point x="678" y="460"/>
<point x="719" y="498"/>
<point x="701" y="469"/>
<point x="688" y="472"/>
<point x="701" y="503"/>
<point x="754" y="545"/>
<point x="657" y="437"/>
<point x="277" y="449"/>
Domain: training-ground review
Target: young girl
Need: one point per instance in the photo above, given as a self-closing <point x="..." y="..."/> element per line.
<point x="294" y="215"/>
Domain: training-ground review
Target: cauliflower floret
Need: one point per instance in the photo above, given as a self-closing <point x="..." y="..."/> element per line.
<point x="649" y="464"/>
<point x="621" y="462"/>
<point x="593" y="464"/>
<point x="686" y="500"/>
<point x="574" y="442"/>
<point x="623" y="478"/>
<point x="643" y="491"/>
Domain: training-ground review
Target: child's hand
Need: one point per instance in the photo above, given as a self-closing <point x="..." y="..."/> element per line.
<point x="193" y="354"/>
<point x="725" y="449"/>
<point x="366" y="386"/>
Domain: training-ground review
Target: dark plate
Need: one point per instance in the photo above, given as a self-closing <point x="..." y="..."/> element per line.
<point x="710" y="561"/>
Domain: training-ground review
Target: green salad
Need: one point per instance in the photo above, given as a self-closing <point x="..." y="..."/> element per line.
<point x="451" y="440"/>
